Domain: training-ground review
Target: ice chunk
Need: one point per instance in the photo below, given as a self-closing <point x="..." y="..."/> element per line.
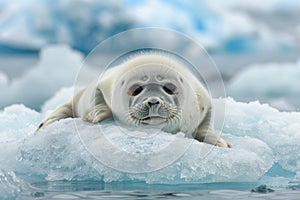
<point x="57" y="68"/>
<point x="17" y="122"/>
<point x="261" y="136"/>
<point x="12" y="187"/>
<point x="9" y="185"/>
<point x="279" y="130"/>
<point x="58" y="153"/>
<point x="258" y="81"/>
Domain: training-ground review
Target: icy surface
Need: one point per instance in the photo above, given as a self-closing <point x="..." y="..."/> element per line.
<point x="265" y="142"/>
<point x="10" y="185"/>
<point x="275" y="83"/>
<point x="279" y="130"/>
<point x="57" y="153"/>
<point x="17" y="122"/>
<point x="261" y="136"/>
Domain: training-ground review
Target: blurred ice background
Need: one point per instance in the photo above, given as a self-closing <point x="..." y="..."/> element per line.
<point x="242" y="37"/>
<point x="255" y="44"/>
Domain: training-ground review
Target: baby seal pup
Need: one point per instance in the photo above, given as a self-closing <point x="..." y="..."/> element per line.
<point x="149" y="90"/>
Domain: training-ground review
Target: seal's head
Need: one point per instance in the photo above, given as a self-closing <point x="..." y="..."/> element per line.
<point x="152" y="96"/>
<point x="153" y="93"/>
<point x="153" y="104"/>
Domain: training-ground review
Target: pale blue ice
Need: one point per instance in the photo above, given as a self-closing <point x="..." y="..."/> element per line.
<point x="262" y="137"/>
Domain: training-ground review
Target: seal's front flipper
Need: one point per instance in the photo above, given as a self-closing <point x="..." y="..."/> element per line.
<point x="210" y="137"/>
<point x="98" y="113"/>
<point x="205" y="133"/>
<point x="215" y="139"/>
<point x="62" y="112"/>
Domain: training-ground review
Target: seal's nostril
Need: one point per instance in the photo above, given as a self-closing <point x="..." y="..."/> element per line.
<point x="153" y="102"/>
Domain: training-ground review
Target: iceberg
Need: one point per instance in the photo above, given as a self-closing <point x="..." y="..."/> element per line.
<point x="10" y="185"/>
<point x="57" y="153"/>
<point x="279" y="130"/>
<point x="57" y="67"/>
<point x="273" y="83"/>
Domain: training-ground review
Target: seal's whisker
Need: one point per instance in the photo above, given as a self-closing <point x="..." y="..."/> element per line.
<point x="128" y="116"/>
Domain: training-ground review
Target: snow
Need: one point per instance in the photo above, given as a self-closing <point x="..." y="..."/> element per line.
<point x="274" y="83"/>
<point x="57" y="67"/>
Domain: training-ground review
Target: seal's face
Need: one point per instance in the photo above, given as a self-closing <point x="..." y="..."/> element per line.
<point x="152" y="103"/>
<point x="151" y="97"/>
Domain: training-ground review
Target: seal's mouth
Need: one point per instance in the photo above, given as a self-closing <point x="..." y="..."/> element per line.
<point x="153" y="120"/>
<point x="165" y="115"/>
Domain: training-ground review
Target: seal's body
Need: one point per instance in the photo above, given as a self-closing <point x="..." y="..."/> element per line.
<point x="149" y="90"/>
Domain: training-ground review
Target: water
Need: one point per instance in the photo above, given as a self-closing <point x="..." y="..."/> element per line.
<point x="139" y="190"/>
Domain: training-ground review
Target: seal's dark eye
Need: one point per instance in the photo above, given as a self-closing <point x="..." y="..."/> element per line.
<point x="170" y="88"/>
<point x="135" y="90"/>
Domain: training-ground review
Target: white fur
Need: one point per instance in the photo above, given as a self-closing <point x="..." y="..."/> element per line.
<point x="96" y="103"/>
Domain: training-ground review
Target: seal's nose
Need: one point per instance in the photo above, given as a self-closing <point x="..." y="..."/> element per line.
<point x="153" y="102"/>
